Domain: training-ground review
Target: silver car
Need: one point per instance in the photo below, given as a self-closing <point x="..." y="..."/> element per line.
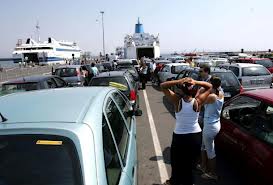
<point x="71" y="136"/>
<point x="251" y="76"/>
<point x="170" y="71"/>
<point x="71" y="74"/>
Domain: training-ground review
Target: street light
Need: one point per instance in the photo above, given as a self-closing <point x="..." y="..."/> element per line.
<point x="103" y="44"/>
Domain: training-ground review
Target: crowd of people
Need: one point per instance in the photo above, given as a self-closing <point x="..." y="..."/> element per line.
<point x="197" y="115"/>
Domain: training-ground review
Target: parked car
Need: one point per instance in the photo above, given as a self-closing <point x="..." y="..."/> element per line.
<point x="101" y="68"/>
<point x="30" y="83"/>
<point x="170" y="71"/>
<point x="131" y="69"/>
<point x="247" y="132"/>
<point x="266" y="62"/>
<point x="230" y="84"/>
<point x="132" y="62"/>
<point x="251" y="76"/>
<point x="72" y="136"/>
<point x="161" y="63"/>
<point x="122" y="80"/>
<point x="109" y="66"/>
<point x="72" y="74"/>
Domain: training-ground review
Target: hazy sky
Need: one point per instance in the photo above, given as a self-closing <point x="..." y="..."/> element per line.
<point x="183" y="25"/>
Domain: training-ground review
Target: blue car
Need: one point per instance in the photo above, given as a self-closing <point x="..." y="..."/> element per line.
<point x="71" y="136"/>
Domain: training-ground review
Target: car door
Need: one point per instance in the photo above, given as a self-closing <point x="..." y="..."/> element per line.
<point x="50" y="83"/>
<point x="60" y="82"/>
<point x="121" y="136"/>
<point x="163" y="73"/>
<point x="237" y="120"/>
<point x="125" y="109"/>
<point x="260" y="150"/>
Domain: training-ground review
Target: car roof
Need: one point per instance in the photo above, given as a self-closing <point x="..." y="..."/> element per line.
<point x="243" y="65"/>
<point x="111" y="74"/>
<point x="262" y="94"/>
<point x="212" y="69"/>
<point x="29" y="79"/>
<point x="68" y="105"/>
<point x="69" y="66"/>
<point x="177" y="64"/>
<point x="247" y="59"/>
<point x="218" y="69"/>
<point x="163" y="61"/>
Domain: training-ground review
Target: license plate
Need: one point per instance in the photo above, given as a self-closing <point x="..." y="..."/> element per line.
<point x="227" y="94"/>
<point x="257" y="82"/>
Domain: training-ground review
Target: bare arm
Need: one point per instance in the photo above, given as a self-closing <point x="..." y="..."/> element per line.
<point x="165" y="86"/>
<point x="202" y="96"/>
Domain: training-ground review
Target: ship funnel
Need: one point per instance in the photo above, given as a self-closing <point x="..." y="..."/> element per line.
<point x="139" y="27"/>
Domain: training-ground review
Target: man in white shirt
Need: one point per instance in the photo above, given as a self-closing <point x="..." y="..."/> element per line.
<point x="94" y="69"/>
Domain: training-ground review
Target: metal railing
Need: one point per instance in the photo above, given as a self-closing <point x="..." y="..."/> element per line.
<point x="12" y="73"/>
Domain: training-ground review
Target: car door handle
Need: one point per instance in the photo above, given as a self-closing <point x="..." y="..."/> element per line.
<point x="133" y="171"/>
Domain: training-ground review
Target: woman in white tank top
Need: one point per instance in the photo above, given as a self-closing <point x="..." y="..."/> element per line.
<point x="186" y="142"/>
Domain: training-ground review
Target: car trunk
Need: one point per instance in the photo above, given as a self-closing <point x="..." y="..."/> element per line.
<point x="256" y="78"/>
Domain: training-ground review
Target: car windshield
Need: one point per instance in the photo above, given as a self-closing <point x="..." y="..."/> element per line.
<point x="228" y="79"/>
<point x="255" y="71"/>
<point x="178" y="69"/>
<point x="38" y="159"/>
<point x="108" y="81"/>
<point x="265" y="63"/>
<point x="29" y="86"/>
<point x="66" y="72"/>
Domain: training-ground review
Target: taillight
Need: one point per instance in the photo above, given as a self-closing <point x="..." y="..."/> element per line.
<point x="132" y="95"/>
<point x="241" y="89"/>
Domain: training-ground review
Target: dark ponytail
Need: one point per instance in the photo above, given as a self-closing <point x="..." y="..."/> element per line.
<point x="216" y="83"/>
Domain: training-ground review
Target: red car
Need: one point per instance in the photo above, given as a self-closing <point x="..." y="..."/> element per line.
<point x="266" y="62"/>
<point x="247" y="132"/>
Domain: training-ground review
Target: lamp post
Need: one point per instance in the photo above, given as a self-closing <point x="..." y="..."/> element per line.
<point x="103" y="43"/>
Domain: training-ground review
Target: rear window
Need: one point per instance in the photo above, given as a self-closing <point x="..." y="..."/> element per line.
<point x="66" y="72"/>
<point x="255" y="71"/>
<point x="265" y="63"/>
<point x="107" y="80"/>
<point x="34" y="159"/>
<point x="20" y="87"/>
<point x="228" y="79"/>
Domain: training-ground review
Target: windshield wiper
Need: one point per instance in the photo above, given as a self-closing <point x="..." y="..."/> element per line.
<point x="3" y="118"/>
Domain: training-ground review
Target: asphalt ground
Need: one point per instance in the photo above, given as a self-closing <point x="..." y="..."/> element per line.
<point x="162" y="112"/>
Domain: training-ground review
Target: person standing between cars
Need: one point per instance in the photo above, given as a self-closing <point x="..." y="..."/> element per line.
<point x="213" y="107"/>
<point x="87" y="75"/>
<point x="190" y="62"/>
<point x="94" y="69"/>
<point x="186" y="141"/>
<point x="143" y="73"/>
<point x="152" y="70"/>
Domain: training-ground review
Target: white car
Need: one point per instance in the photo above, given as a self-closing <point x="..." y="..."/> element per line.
<point x="170" y="71"/>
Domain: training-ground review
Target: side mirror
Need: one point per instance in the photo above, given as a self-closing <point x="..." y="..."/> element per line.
<point x="225" y="114"/>
<point x="138" y="112"/>
<point x="269" y="111"/>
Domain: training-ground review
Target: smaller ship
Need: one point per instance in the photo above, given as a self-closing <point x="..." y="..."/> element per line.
<point x="46" y="53"/>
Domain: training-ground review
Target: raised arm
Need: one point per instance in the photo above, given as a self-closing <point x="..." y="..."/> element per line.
<point x="165" y="86"/>
<point x="204" y="93"/>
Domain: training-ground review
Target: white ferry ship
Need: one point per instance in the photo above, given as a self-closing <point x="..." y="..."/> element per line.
<point x="141" y="44"/>
<point x="46" y="53"/>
